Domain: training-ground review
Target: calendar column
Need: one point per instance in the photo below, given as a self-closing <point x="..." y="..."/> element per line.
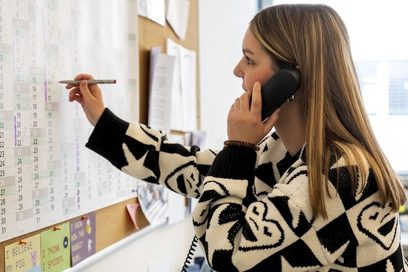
<point x="24" y="212"/>
<point x="40" y="175"/>
<point x="69" y="194"/>
<point x="53" y="158"/>
<point x="24" y="205"/>
<point x="7" y="136"/>
<point x="52" y="109"/>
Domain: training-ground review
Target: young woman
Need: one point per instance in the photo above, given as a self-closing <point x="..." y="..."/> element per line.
<point x="317" y="194"/>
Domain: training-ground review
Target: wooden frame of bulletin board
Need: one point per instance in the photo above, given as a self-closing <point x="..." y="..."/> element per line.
<point x="113" y="223"/>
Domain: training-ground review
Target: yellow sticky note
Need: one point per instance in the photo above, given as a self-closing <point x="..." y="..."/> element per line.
<point x="23" y="256"/>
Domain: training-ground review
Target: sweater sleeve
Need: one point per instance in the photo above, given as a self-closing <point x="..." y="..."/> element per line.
<point x="146" y="154"/>
<point x="241" y="234"/>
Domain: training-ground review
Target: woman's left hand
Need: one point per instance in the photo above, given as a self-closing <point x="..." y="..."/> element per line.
<point x="244" y="118"/>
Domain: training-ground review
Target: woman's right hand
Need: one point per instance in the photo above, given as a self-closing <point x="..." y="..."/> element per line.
<point x="89" y="96"/>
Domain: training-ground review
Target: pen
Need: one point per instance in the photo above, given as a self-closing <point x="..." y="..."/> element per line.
<point x="91" y="81"/>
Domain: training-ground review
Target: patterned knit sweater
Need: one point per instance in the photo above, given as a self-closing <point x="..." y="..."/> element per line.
<point x="253" y="212"/>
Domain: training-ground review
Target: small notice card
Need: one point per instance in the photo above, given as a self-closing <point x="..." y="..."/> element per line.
<point x="55" y="249"/>
<point x="23" y="256"/>
<point x="131" y="208"/>
<point x="82" y="238"/>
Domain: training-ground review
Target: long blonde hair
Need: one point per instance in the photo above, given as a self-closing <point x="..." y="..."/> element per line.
<point x="314" y="38"/>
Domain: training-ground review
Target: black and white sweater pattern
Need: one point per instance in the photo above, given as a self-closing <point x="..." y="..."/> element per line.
<point x="253" y="212"/>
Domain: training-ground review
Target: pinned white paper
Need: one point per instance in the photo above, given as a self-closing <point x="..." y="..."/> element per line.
<point x="177" y="16"/>
<point x="160" y="98"/>
<point x="153" y="10"/>
<point x="184" y="96"/>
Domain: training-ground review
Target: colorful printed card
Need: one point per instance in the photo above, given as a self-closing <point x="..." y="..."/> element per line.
<point x="23" y="256"/>
<point x="82" y="238"/>
<point x="55" y="249"/>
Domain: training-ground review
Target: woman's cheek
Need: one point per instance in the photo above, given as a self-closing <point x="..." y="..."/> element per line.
<point x="248" y="85"/>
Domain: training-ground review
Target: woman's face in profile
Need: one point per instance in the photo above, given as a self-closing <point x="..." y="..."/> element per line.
<point x="255" y="64"/>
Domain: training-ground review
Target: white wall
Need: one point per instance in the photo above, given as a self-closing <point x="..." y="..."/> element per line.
<point x="222" y="25"/>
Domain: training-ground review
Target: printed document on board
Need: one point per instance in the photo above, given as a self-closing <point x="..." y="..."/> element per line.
<point x="184" y="95"/>
<point x="160" y="97"/>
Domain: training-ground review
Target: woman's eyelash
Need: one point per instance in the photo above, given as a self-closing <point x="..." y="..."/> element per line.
<point x="249" y="61"/>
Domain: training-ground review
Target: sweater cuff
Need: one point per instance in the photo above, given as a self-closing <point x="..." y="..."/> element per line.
<point x="237" y="162"/>
<point x="108" y="133"/>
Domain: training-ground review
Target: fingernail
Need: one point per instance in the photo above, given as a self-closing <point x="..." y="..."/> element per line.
<point x="83" y="83"/>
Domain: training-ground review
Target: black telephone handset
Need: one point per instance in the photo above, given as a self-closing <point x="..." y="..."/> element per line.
<point x="278" y="89"/>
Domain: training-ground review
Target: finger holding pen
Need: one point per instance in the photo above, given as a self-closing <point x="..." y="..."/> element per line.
<point x="89" y="96"/>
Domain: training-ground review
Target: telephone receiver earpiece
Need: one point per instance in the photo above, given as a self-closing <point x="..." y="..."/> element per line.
<point x="278" y="89"/>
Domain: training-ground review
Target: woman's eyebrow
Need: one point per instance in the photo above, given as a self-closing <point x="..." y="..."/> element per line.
<point x="247" y="51"/>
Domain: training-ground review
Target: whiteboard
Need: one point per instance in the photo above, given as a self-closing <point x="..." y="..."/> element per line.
<point x="46" y="173"/>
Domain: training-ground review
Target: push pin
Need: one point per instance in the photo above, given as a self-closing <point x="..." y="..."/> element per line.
<point x="57" y="228"/>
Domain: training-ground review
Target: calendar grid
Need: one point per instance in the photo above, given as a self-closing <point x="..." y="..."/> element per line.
<point x="46" y="173"/>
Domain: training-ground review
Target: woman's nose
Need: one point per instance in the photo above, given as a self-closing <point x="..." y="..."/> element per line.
<point x="237" y="70"/>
